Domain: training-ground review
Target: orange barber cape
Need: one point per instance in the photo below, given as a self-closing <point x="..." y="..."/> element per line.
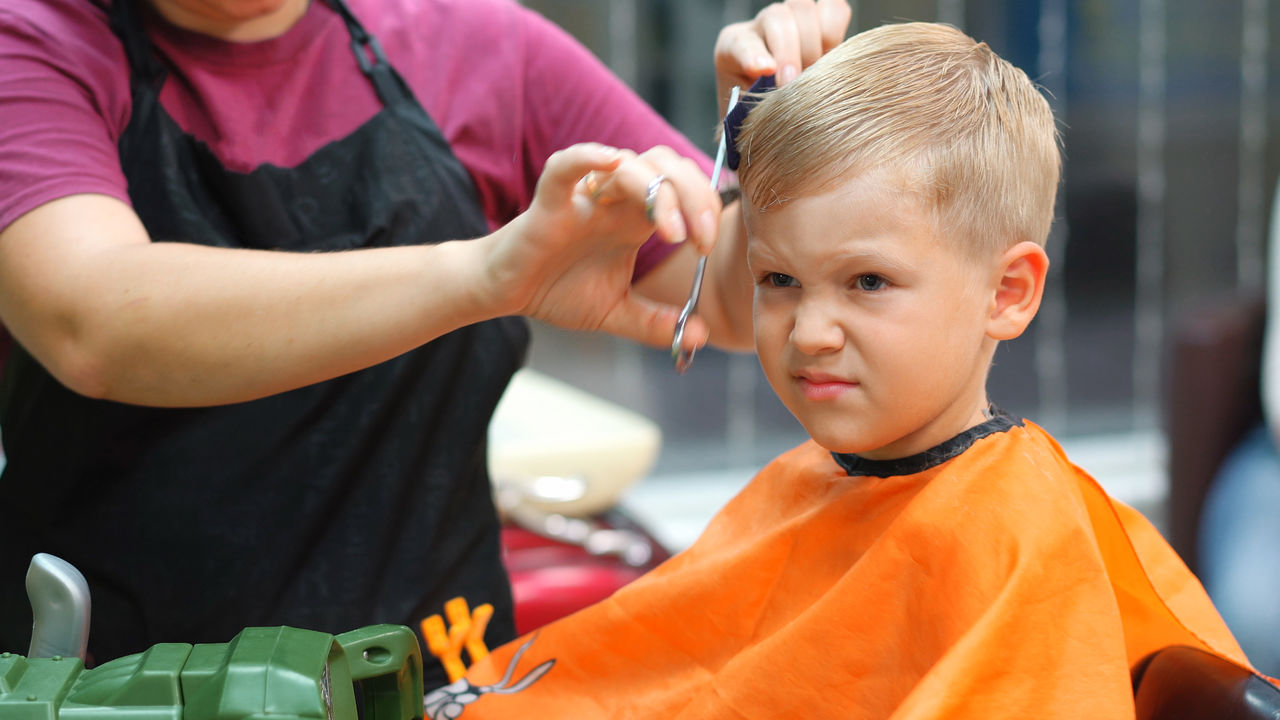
<point x="986" y="578"/>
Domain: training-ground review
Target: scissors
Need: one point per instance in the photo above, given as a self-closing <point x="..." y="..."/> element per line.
<point x="684" y="358"/>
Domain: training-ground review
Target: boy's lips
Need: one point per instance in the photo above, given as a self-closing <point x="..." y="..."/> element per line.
<point x="822" y="386"/>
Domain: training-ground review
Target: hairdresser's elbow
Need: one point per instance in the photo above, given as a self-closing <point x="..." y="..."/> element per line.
<point x="83" y="372"/>
<point x="81" y="361"/>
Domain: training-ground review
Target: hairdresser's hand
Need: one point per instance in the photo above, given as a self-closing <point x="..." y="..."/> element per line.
<point x="782" y="39"/>
<point x="568" y="260"/>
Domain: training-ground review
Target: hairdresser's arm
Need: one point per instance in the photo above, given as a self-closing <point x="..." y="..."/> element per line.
<point x="113" y="315"/>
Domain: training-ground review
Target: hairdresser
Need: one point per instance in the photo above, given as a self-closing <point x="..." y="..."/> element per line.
<point x="263" y="262"/>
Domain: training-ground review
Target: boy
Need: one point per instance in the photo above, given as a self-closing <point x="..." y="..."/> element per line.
<point x="926" y="554"/>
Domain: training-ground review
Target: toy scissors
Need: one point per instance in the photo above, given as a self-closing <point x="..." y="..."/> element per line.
<point x="682" y="357"/>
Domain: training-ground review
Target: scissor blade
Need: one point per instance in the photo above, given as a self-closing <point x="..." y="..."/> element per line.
<point x="682" y="357"/>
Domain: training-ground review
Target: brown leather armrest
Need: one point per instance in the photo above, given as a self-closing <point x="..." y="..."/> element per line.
<point x="1185" y="683"/>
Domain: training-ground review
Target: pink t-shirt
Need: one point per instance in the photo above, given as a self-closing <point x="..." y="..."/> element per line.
<point x="506" y="87"/>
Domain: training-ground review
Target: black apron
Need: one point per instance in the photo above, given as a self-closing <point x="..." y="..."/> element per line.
<point x="358" y="500"/>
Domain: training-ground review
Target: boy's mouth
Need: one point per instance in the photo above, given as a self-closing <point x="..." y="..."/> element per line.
<point x="821" y="386"/>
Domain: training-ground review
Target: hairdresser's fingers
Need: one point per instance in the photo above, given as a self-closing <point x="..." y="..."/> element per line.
<point x="740" y="58"/>
<point x="834" y="17"/>
<point x="600" y="186"/>
<point x="565" y="169"/>
<point x="642" y="320"/>
<point x="804" y="13"/>
<point x="671" y="192"/>
<point x="641" y="183"/>
<point x="783" y="39"/>
<point x="777" y="25"/>
<point x="685" y="199"/>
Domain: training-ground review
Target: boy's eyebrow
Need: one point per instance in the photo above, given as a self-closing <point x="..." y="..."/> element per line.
<point x="758" y="253"/>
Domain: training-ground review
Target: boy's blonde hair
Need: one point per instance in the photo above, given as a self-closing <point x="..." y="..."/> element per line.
<point x="955" y="124"/>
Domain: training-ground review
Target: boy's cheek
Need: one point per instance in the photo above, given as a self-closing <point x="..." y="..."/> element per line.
<point x="768" y="345"/>
<point x="769" y="329"/>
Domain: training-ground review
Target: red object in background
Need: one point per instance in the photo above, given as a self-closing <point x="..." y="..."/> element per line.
<point x="551" y="579"/>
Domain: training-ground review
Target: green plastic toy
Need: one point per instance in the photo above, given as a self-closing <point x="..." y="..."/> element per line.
<point x="272" y="673"/>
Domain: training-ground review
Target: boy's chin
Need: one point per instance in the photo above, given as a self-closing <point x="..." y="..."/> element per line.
<point x="850" y="449"/>
<point x="833" y="440"/>
<point x="849" y="441"/>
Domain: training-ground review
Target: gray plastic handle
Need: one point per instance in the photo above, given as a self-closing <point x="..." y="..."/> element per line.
<point x="59" y="598"/>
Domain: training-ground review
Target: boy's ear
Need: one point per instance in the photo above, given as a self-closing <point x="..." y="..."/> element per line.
<point x="1020" y="273"/>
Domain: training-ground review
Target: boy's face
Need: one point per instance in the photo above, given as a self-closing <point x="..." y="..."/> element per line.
<point x="870" y="327"/>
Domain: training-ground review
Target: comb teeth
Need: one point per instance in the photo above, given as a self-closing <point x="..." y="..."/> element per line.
<point x="733" y="120"/>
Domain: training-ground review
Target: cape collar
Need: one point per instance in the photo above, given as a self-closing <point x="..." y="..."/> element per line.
<point x="857" y="466"/>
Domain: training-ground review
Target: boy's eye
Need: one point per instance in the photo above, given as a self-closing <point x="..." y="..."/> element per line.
<point x="869" y="283"/>
<point x="779" y="280"/>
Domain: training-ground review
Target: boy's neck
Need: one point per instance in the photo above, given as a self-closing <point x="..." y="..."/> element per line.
<point x="859" y="466"/>
<point x="951" y="423"/>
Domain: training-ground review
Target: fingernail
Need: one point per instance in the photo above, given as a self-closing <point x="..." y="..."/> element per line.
<point x="679" y="233"/>
<point x="761" y="63"/>
<point x="707" y="225"/>
<point x="789" y="73"/>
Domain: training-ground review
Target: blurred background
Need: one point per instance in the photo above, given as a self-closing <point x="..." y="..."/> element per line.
<point x="1170" y="115"/>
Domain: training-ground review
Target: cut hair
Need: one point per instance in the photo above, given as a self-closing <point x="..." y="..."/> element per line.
<point x="925" y="106"/>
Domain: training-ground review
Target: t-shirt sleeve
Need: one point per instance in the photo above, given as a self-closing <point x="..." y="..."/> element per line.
<point x="569" y="97"/>
<point x="61" y="75"/>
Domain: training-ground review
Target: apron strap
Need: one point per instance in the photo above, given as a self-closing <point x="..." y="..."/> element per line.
<point x="126" y="23"/>
<point x="371" y="59"/>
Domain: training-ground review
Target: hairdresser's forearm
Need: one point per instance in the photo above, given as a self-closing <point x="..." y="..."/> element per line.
<point x="218" y="326"/>
<point x="175" y="324"/>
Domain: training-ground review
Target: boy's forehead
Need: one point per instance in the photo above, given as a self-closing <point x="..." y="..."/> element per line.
<point x="810" y="223"/>
<point x="891" y="183"/>
<point x="865" y="215"/>
<point x="872" y="193"/>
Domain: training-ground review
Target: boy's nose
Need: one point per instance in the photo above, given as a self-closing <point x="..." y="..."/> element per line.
<point x="815" y="329"/>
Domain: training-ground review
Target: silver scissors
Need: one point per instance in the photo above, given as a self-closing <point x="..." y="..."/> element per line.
<point x="682" y="357"/>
